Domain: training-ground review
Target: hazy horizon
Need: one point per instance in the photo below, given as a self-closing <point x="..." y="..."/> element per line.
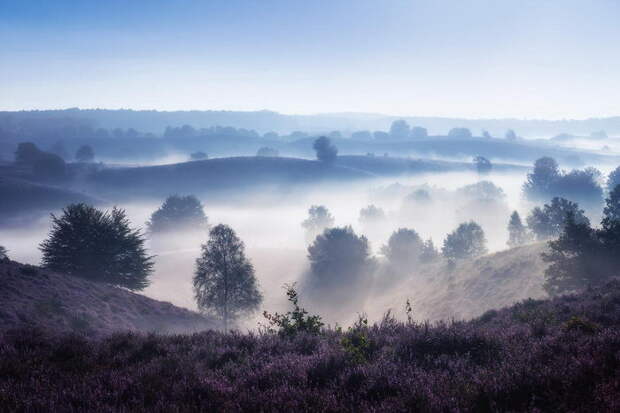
<point x="470" y="60"/>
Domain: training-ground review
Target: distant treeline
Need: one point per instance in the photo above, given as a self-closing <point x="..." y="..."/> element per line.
<point x="151" y="121"/>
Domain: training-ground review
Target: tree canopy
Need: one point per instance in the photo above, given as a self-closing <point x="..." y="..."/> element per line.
<point x="224" y="281"/>
<point x="466" y="241"/>
<point x="548" y="222"/>
<point x="178" y="212"/>
<point x="97" y="245"/>
<point x="325" y="151"/>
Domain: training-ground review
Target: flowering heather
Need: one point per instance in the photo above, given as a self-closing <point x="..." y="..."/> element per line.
<point x="559" y="355"/>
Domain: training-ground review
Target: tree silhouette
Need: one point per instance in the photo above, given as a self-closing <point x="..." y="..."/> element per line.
<point x="325" y="151"/>
<point x="3" y="253"/>
<point x="539" y="182"/>
<point x="99" y="246"/>
<point x="178" y="212"/>
<point x="319" y="219"/>
<point x="266" y="151"/>
<point x="483" y="165"/>
<point x="224" y="280"/>
<point x="338" y="256"/>
<point x="467" y="241"/>
<point x="399" y="130"/>
<point x="517" y="232"/>
<point x="548" y="222"/>
<point x="613" y="180"/>
<point x="404" y="248"/>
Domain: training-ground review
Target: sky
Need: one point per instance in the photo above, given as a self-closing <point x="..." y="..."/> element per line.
<point x="552" y="59"/>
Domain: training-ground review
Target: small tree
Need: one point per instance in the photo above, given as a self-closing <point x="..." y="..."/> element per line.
<point x="540" y="181"/>
<point x="319" y="219"/>
<point x="517" y="232"/>
<point x="511" y="135"/>
<point x="429" y="252"/>
<point x="400" y="129"/>
<point x="325" y="151"/>
<point x="224" y="280"/>
<point x="483" y="165"/>
<point x="418" y="132"/>
<point x="462" y="133"/>
<point x="404" y="248"/>
<point x="467" y="241"/>
<point x="85" y="154"/>
<point x="371" y="215"/>
<point x="99" y="246"/>
<point x="267" y="151"/>
<point x="3" y="254"/>
<point x="575" y="259"/>
<point x="549" y="221"/>
<point x="178" y="212"/>
<point x="339" y="256"/>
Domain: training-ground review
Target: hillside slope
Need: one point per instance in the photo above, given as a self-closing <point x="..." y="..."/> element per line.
<point x="34" y="297"/>
<point x="539" y="356"/>
<point x="21" y="197"/>
<point x="471" y="287"/>
<point x="223" y="174"/>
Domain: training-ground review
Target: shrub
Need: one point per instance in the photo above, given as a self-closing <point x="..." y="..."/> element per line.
<point x="296" y="321"/>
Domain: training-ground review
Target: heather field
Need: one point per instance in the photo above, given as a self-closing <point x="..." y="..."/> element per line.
<point x="538" y="355"/>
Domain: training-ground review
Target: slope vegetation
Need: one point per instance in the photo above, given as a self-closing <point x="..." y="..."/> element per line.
<point x="34" y="297"/>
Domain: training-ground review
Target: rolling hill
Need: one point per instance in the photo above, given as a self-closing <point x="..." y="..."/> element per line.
<point x="225" y="175"/>
<point x="34" y="297"/>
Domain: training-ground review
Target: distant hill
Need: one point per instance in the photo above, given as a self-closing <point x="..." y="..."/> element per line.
<point x="222" y="174"/>
<point x="33" y="297"/>
<point x="23" y="198"/>
<point x="263" y="121"/>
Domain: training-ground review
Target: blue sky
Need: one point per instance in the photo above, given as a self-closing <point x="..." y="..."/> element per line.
<point x="464" y="58"/>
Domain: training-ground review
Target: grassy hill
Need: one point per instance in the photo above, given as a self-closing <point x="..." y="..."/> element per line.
<point x="471" y="287"/>
<point x="34" y="297"/>
<point x="222" y="174"/>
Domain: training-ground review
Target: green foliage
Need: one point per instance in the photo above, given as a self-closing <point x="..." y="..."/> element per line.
<point x="224" y="281"/>
<point x="296" y="321"/>
<point x="356" y="343"/>
<point x="99" y="246"/>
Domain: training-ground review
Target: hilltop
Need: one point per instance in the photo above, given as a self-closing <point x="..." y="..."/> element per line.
<point x="37" y="298"/>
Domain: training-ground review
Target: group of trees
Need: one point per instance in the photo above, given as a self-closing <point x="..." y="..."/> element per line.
<point x="583" y="256"/>
<point x="101" y="246"/>
<point x="547" y="181"/>
<point x="544" y="223"/>
<point x="266" y="151"/>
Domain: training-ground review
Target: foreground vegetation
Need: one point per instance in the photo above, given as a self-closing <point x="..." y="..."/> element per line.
<point x="559" y="355"/>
